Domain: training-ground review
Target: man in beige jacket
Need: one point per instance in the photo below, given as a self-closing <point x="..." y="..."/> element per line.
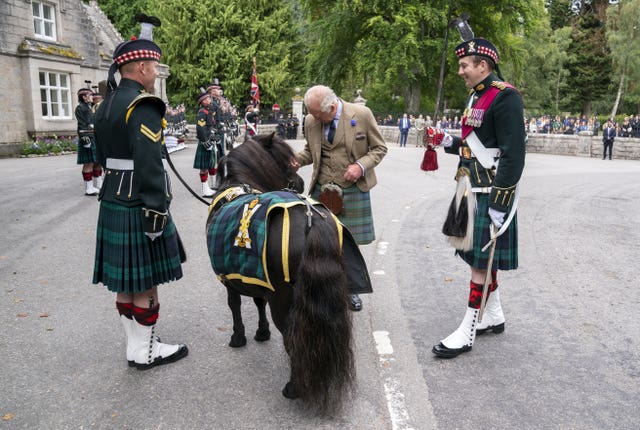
<point x="344" y="145"/>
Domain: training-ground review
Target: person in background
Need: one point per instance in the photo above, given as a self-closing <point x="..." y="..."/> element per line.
<point x="404" y="125"/>
<point x="251" y="122"/>
<point x="205" y="157"/>
<point x="608" y="136"/>
<point x="91" y="169"/>
<point x="419" y="123"/>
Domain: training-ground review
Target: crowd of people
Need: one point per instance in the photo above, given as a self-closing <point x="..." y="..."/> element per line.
<point x="288" y="127"/>
<point x="544" y="124"/>
<point x="445" y="122"/>
<point x="554" y="124"/>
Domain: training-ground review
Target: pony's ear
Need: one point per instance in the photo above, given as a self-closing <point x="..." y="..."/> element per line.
<point x="270" y="140"/>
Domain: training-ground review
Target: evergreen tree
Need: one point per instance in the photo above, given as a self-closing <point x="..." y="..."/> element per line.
<point x="121" y="14"/>
<point x="589" y="67"/>
<point x="390" y="48"/>
<point x="623" y="37"/>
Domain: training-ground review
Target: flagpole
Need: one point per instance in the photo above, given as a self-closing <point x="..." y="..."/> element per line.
<point x="254" y="81"/>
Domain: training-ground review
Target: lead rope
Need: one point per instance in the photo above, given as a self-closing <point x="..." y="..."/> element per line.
<point x="184" y="182"/>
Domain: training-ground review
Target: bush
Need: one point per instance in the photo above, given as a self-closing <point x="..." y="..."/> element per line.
<point x="50" y="145"/>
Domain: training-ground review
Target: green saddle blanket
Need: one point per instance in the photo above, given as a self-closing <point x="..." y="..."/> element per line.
<point x="237" y="238"/>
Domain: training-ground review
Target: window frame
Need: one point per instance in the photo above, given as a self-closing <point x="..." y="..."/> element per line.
<point x="40" y="22"/>
<point x="54" y="95"/>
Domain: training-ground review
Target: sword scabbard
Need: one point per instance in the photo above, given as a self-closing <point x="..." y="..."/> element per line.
<point x="487" y="279"/>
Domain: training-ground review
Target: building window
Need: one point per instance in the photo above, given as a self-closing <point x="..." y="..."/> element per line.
<point x="44" y="20"/>
<point x="55" y="95"/>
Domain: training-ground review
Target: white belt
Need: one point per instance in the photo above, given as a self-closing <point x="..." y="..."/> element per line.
<point x="124" y="164"/>
<point x="119" y="164"/>
<point x="482" y="190"/>
<point x="486" y="156"/>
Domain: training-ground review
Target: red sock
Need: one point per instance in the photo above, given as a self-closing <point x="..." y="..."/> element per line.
<point x="475" y="295"/>
<point x="494" y="282"/>
<point x="97" y="173"/>
<point x="87" y="176"/>
<point x="203" y="177"/>
<point x="125" y="309"/>
<point x="146" y="316"/>
<point x="213" y="171"/>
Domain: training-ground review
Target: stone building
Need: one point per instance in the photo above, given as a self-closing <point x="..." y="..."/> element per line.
<point x="48" y="50"/>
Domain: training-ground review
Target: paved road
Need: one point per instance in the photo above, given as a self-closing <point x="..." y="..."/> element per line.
<point x="569" y="357"/>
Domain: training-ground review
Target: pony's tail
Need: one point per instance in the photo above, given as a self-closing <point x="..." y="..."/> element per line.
<point x="319" y="340"/>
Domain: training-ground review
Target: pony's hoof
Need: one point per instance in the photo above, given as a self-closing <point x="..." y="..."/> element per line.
<point x="262" y="335"/>
<point x="237" y="341"/>
<point x="289" y="391"/>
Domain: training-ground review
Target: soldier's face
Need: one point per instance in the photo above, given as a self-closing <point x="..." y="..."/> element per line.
<point x="150" y="73"/>
<point x="472" y="73"/>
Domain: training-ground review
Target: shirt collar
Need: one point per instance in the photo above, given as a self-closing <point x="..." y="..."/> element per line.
<point x="339" y="111"/>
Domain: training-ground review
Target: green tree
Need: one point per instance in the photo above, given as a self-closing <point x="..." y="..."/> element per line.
<point x="589" y="67"/>
<point x="121" y="14"/>
<point x="559" y="12"/>
<point x="623" y="37"/>
<point x="219" y="39"/>
<point x="394" y="47"/>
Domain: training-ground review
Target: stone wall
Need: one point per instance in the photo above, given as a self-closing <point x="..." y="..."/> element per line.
<point x="583" y="145"/>
<point x="572" y="145"/>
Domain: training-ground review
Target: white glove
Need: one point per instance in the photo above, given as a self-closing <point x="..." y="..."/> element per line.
<point x="447" y="140"/>
<point x="497" y="217"/>
<point x="153" y="236"/>
<point x="86" y="141"/>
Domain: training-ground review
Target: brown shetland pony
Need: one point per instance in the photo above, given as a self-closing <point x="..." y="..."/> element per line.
<point x="311" y="310"/>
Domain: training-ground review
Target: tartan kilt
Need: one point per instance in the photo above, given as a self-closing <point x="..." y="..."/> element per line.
<point x="87" y="155"/>
<point x="357" y="215"/>
<point x="126" y="260"/>
<point x="204" y="159"/>
<point x="506" y="253"/>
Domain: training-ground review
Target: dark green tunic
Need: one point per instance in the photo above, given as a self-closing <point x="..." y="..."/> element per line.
<point x="129" y="126"/>
<point x="84" y="116"/>
<point x="502" y="126"/>
<point x="205" y="159"/>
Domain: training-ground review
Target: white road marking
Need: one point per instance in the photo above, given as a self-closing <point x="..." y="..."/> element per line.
<point x="392" y="389"/>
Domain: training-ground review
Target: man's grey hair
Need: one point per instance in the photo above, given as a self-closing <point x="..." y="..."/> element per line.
<point x="323" y="93"/>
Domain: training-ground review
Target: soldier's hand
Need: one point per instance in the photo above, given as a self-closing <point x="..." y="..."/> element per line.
<point x="85" y="141"/>
<point x="206" y="144"/>
<point x="497" y="217"/>
<point x="447" y="140"/>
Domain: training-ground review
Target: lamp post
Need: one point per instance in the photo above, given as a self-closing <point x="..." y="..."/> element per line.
<point x="461" y="24"/>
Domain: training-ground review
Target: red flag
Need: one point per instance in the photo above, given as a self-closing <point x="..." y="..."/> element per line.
<point x="255" y="89"/>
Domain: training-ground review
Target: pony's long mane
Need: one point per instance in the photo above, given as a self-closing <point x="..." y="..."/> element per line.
<point x="262" y="162"/>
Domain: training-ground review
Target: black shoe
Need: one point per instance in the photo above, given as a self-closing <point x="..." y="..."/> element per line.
<point x="355" y="303"/>
<point x="442" y="351"/>
<point x="182" y="352"/>
<point x="493" y="328"/>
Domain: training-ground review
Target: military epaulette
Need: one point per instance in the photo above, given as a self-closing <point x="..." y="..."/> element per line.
<point x="146" y="97"/>
<point x="499" y="84"/>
